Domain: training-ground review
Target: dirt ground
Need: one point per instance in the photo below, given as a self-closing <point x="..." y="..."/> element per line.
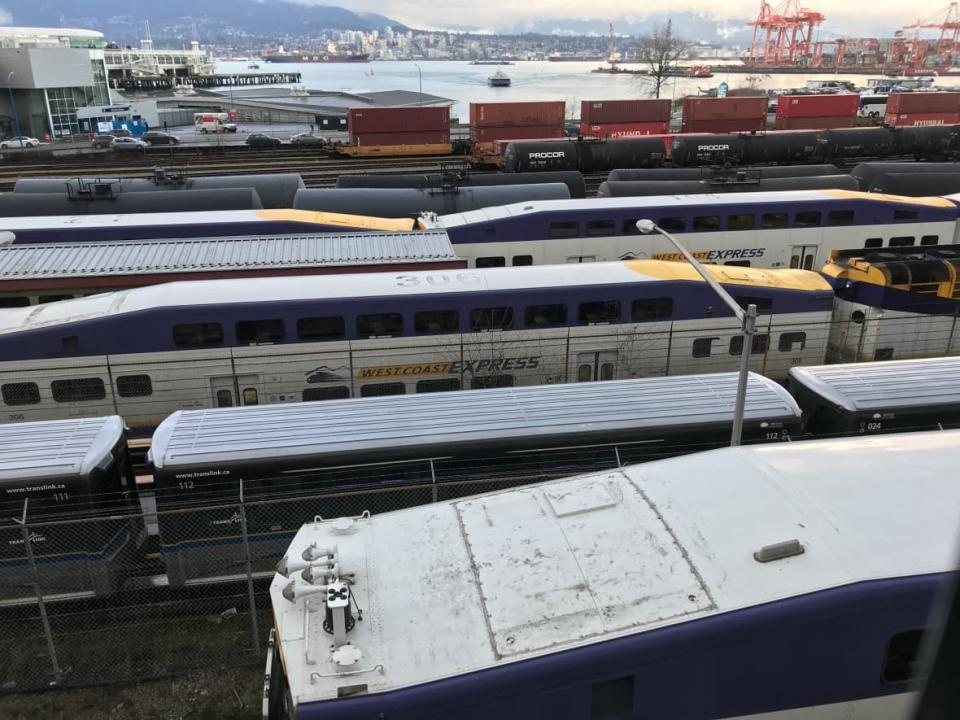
<point x="219" y="694"/>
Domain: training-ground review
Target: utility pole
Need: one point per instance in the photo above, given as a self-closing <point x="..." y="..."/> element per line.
<point x="13" y="109"/>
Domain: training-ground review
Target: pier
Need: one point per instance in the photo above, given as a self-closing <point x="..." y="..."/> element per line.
<point x="208" y="81"/>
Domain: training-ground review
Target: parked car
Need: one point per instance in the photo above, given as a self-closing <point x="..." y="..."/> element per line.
<point x="102" y="141"/>
<point x="261" y="140"/>
<point x="155" y="137"/>
<point x="305" y="139"/>
<point x="15" y="141"/>
<point x="128" y="144"/>
<point x="121" y="132"/>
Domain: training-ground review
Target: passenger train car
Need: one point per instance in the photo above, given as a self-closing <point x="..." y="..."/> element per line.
<point x="784" y="580"/>
<point x="794" y="229"/>
<point x="147" y="352"/>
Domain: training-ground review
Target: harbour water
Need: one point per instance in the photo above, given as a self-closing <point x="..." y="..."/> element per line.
<point x="466" y="83"/>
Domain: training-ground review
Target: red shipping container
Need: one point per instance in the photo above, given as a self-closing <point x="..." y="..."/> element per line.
<point x="817" y="106"/>
<point x="923" y="102"/>
<point x="816" y="123"/>
<point x="398" y="119"/>
<point x="921" y="119"/>
<point x="400" y="138"/>
<point x="624" y="130"/>
<point x="605" y="112"/>
<point x="514" y="114"/>
<point x="534" y="132"/>
<point x="752" y="110"/>
<point x="724" y="126"/>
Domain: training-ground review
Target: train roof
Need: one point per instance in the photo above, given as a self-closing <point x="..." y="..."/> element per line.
<point x="367" y="285"/>
<point x="238" y="253"/>
<point x="56" y="448"/>
<point x="659" y="202"/>
<point x="891" y="385"/>
<point x="511" y="575"/>
<point x="436" y="421"/>
<point x="133" y="220"/>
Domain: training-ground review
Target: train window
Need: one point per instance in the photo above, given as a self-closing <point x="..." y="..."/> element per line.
<point x="790" y="340"/>
<point x="630" y="227"/>
<point x="545" y="315"/>
<point x="43" y="299"/>
<point x="773" y="220"/>
<point x="337" y="392"/>
<point x="316" y="328"/>
<point x="570" y="229"/>
<point x="706" y="223"/>
<point x="703" y="346"/>
<point x="380" y="325"/>
<point x="250" y="396"/>
<point x="224" y="398"/>
<point x="883" y="354"/>
<point x="741" y="221"/>
<point x="491" y="381"/>
<point x="78" y="389"/>
<point x="672" y="224"/>
<point x="601" y="311"/>
<point x="134" y="386"/>
<point x="495" y="318"/>
<point x="260" y="331"/>
<point x="375" y="389"/>
<point x="905" y="215"/>
<point x="519" y="260"/>
<point x="902" y="241"/>
<point x="757" y="347"/>
<point x="489" y="262"/>
<point x="764" y="305"/>
<point x="930" y="240"/>
<point x="599" y="228"/>
<point x="15" y="301"/>
<point x="873" y="242"/>
<point x="441" y="385"/>
<point x="21" y="393"/>
<point x="738" y="263"/>
<point x="196" y="334"/>
<point x="808" y="218"/>
<point x="901" y="656"/>
<point x="649" y="309"/>
<point x="612" y="699"/>
<point x="840" y="217"/>
<point x="436" y="321"/>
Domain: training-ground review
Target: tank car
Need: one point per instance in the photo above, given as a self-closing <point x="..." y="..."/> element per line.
<point x="571" y="178"/>
<point x="696" y="173"/>
<point x="638" y="188"/>
<point x="522" y="157"/>
<point x="867" y="172"/>
<point x="640" y="152"/>
<point x="46" y="204"/>
<point x="917" y="184"/>
<point x="842" y="143"/>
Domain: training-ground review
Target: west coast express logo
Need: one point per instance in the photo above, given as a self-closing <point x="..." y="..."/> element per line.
<point x="714" y="255"/>
<point x="449" y="368"/>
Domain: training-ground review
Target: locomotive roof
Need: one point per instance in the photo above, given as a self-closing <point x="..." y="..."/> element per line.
<point x="367" y="285"/>
<point x="32" y="261"/>
<point x="896" y="384"/>
<point x="658" y="202"/>
<point x="436" y="420"/>
<point x="510" y="575"/>
<point x="55" y="448"/>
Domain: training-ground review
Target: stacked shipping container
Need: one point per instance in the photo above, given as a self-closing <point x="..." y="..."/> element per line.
<point x="720" y="115"/>
<point x="922" y="108"/>
<point x="399" y="126"/>
<point x="490" y="122"/>
<point x="624" y="118"/>
<point x="817" y="112"/>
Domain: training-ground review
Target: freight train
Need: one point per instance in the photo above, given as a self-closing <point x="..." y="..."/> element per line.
<point x="343" y="457"/>
<point x="706" y="586"/>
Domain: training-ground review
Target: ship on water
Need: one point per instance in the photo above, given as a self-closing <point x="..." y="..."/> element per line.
<point x="300" y="56"/>
<point x="499" y="79"/>
<point x="574" y="57"/>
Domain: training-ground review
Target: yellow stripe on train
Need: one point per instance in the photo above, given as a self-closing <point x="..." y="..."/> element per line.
<point x="785" y="279"/>
<point x="882" y="197"/>
<point x="339" y="219"/>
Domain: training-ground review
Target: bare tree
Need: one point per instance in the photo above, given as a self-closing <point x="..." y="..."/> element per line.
<point x="659" y="50"/>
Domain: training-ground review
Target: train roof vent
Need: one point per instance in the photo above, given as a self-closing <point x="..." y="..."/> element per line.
<point x="779" y="551"/>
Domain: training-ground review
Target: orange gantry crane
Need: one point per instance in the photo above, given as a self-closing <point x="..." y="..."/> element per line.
<point x="783" y="35"/>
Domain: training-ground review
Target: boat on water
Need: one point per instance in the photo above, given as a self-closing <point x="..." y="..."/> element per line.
<point x="491" y="62"/>
<point x="253" y="66"/>
<point x="498" y="79"/>
<point x="303" y="57"/>
<point x="574" y="57"/>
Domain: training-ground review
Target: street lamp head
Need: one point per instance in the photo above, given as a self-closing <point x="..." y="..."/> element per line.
<point x="646" y="226"/>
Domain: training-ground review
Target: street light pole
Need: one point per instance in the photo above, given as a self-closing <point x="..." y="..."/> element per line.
<point x="748" y="324"/>
<point x="420" y="75"/>
<point x="13" y="109"/>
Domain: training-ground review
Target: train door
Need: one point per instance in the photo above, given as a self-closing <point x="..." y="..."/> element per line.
<point x="804" y="257"/>
<point x="235" y="390"/>
<point x="593" y="366"/>
<point x="581" y="258"/>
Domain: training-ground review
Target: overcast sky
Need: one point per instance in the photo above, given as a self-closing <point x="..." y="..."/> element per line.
<point x="850" y="15"/>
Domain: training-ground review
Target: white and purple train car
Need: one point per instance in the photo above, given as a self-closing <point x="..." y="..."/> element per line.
<point x="780" y="581"/>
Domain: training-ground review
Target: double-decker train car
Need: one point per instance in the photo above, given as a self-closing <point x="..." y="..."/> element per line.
<point x="794" y="579"/>
<point x="794" y="229"/>
<point x="147" y="352"/>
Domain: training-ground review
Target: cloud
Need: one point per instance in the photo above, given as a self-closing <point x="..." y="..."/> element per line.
<point x="6" y="17"/>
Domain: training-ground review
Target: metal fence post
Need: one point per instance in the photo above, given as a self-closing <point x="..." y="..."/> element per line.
<point x="433" y="480"/>
<point x="616" y="451"/>
<point x="246" y="557"/>
<point x="28" y="546"/>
